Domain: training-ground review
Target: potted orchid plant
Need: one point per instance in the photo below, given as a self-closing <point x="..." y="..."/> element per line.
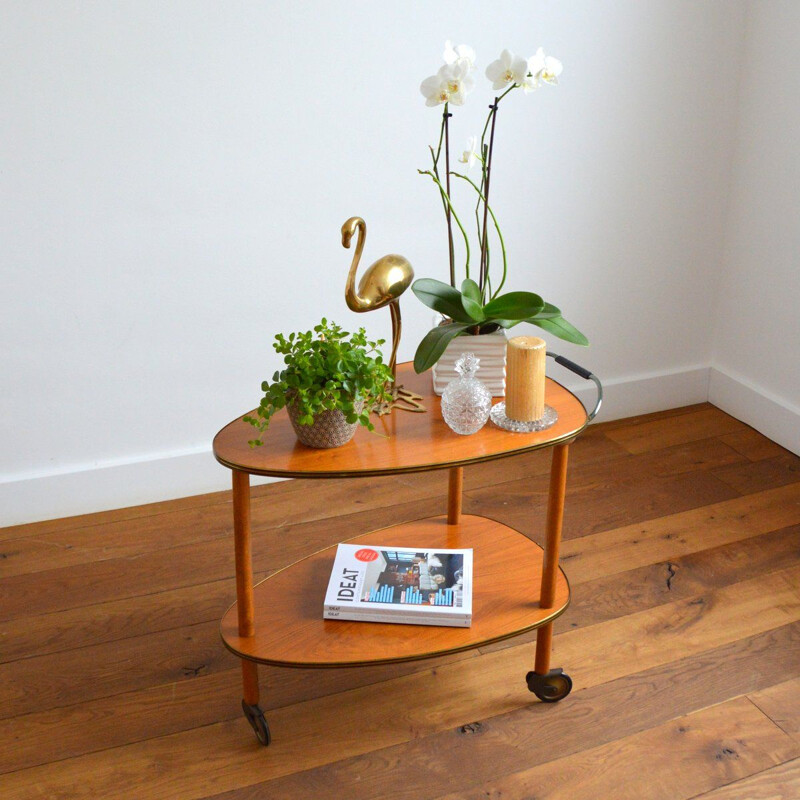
<point x="477" y="305"/>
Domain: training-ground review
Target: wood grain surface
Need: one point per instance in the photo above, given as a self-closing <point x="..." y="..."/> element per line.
<point x="680" y="542"/>
<point x="290" y="630"/>
<point x="718" y="744"/>
<point x="403" y="442"/>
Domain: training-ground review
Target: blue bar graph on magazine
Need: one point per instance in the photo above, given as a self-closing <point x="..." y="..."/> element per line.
<point x="409" y="596"/>
<point x="444" y="597"/>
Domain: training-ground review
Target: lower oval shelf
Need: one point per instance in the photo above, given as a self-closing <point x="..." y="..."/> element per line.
<point x="290" y="630"/>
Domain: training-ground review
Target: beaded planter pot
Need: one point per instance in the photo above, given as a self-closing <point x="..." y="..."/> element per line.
<point x="329" y="429"/>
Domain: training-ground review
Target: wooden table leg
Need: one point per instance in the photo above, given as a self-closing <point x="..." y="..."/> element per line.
<point x="551" y="685"/>
<point x="244" y="601"/>
<point x="244" y="561"/>
<point x="454" y="488"/>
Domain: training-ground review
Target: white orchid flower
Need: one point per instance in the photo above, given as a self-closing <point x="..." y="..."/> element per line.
<point x="508" y="69"/>
<point x="459" y="81"/>
<point x="450" y="84"/>
<point x="434" y="90"/>
<point x="544" y="68"/>
<point x="462" y="52"/>
<point x="470" y="155"/>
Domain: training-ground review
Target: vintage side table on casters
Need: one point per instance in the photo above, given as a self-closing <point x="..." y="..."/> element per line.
<point x="517" y="586"/>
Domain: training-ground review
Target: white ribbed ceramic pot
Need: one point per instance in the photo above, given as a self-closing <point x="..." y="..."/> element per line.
<point x="490" y="348"/>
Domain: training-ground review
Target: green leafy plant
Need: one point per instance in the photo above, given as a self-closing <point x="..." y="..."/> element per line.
<point x="327" y="369"/>
<point x="467" y="314"/>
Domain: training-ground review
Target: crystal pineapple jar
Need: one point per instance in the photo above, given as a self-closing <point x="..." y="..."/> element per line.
<point x="466" y="402"/>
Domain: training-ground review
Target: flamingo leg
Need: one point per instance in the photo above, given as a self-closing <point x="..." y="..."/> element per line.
<point x="397" y="328"/>
<point x="402" y="399"/>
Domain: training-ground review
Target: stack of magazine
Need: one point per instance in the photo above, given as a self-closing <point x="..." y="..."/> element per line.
<point x="412" y="586"/>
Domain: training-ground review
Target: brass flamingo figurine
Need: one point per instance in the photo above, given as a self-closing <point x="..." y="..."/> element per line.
<point x="381" y="285"/>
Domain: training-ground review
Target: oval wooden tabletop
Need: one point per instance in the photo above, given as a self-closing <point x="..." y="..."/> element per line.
<point x="290" y="630"/>
<point x="411" y="442"/>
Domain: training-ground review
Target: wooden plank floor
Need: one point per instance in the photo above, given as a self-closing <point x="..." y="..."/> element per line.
<point x="682" y="544"/>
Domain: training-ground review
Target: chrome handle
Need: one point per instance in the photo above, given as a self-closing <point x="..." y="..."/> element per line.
<point x="584" y="373"/>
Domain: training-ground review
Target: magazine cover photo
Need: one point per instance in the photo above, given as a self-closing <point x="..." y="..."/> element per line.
<point x="404" y="577"/>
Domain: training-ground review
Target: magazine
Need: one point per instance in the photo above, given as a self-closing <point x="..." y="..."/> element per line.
<point x="412" y="586"/>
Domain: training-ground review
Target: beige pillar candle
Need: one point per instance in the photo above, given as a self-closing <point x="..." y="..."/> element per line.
<point x="525" y="368"/>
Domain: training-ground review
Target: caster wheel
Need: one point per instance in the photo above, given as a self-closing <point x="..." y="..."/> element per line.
<point x="550" y="688"/>
<point x="255" y="716"/>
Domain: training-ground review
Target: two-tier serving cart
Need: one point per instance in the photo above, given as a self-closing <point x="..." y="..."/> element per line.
<point x="517" y="585"/>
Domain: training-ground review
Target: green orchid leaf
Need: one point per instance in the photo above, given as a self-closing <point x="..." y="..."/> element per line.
<point x="508" y="323"/>
<point x="473" y="308"/>
<point x="441" y="297"/>
<point x="471" y="289"/>
<point x="433" y="345"/>
<point x="548" y="312"/>
<point x="514" y="305"/>
<point x="558" y="326"/>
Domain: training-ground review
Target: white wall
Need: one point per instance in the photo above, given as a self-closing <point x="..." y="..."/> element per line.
<point x="175" y="174"/>
<point x="756" y="373"/>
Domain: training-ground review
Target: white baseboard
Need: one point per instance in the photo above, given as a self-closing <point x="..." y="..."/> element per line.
<point x="83" y="490"/>
<point x="109" y="486"/>
<point x="774" y="417"/>
<point x="640" y="394"/>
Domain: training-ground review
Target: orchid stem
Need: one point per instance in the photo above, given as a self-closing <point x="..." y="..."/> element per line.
<point x="439" y="147"/>
<point x="447" y="116"/>
<point x="496" y="227"/>
<point x="446" y="198"/>
<point x="489" y="117"/>
<point x="486" y="195"/>
<point x="485" y="169"/>
<point x="434" y="158"/>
